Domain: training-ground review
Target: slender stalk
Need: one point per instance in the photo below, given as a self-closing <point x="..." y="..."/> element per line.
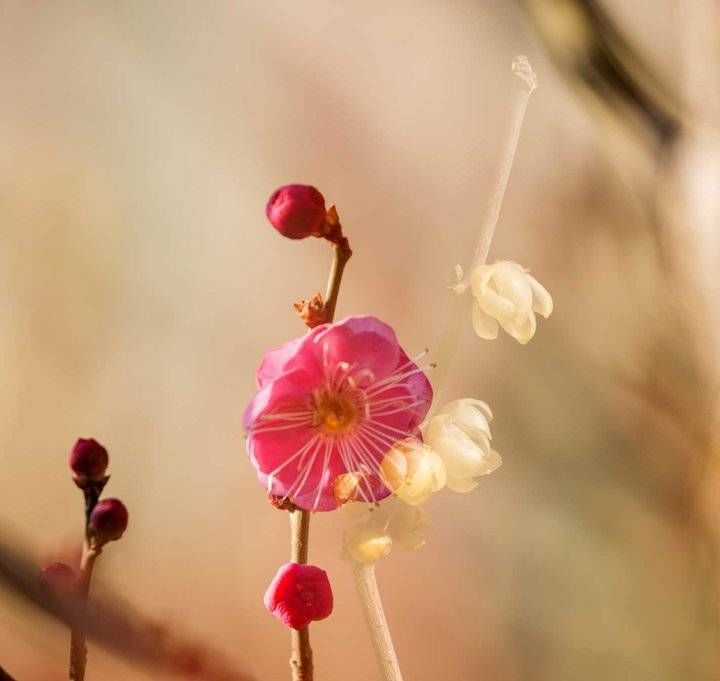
<point x="367" y="588"/>
<point x="341" y="254"/>
<point x="521" y="67"/>
<point x="301" y="657"/>
<point x="78" y="649"/>
<point x="299" y="535"/>
<point x="458" y="312"/>
<point x="365" y="579"/>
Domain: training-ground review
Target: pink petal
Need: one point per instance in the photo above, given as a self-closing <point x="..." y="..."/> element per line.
<point x="290" y="391"/>
<point x="274" y="362"/>
<point x="362" y="341"/>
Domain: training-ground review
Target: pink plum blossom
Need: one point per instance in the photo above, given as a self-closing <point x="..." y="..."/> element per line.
<point x="330" y="406"/>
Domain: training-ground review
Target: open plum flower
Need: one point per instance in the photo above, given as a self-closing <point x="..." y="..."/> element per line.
<point x="333" y="403"/>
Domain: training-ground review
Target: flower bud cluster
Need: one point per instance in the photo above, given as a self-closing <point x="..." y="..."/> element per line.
<point x="456" y="451"/>
<point x="107" y="519"/>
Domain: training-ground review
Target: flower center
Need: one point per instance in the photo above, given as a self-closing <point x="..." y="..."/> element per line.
<point x="335" y="414"/>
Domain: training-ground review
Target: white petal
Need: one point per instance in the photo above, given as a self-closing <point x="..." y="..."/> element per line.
<point x="542" y="300"/>
<point x="406" y="525"/>
<point x="394" y="467"/>
<point x="511" y="283"/>
<point x="496" y="305"/>
<point x="491" y="461"/>
<point x="462" y="485"/>
<point x="480" y="278"/>
<point x="438" y="469"/>
<point x="522" y="330"/>
<point x="437" y="428"/>
<point x="411" y="541"/>
<point x="484" y="325"/>
<point x="469" y="418"/>
<point x="366" y="545"/>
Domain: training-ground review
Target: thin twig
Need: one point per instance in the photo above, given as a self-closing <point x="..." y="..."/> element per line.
<point x="521" y="67"/>
<point x="367" y="588"/>
<point x="116" y="626"/>
<point x="365" y="579"/>
<point x="301" y="658"/>
<point x="341" y="254"/>
<point x="78" y="648"/>
<point x="458" y="312"/>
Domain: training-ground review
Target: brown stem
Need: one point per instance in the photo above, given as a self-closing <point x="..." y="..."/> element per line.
<point x="301" y="660"/>
<point x="301" y="657"/>
<point x="342" y="253"/>
<point x="78" y="649"/>
<point x="299" y="535"/>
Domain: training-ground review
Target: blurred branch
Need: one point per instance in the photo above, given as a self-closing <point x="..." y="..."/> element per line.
<point x="593" y="54"/>
<point x="4" y="676"/>
<point x="116" y="626"/>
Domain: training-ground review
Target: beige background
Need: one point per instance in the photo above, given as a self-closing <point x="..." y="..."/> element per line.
<point x="140" y="285"/>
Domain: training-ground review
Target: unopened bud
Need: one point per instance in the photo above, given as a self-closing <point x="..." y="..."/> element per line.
<point x="297" y="211"/>
<point x="108" y="521"/>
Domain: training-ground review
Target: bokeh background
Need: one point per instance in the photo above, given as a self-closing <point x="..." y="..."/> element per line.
<point x="140" y="285"/>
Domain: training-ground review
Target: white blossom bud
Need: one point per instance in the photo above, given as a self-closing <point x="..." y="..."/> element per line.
<point x="380" y="527"/>
<point x="366" y="544"/>
<point x="413" y="471"/>
<point x="460" y="435"/>
<point x="507" y="295"/>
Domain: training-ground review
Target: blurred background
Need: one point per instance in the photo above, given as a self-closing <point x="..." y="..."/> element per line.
<point x="140" y="285"/>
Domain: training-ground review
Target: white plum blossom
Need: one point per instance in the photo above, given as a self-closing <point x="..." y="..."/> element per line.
<point x="506" y="296"/>
<point x="366" y="544"/>
<point x="390" y="523"/>
<point x="413" y="471"/>
<point x="460" y="435"/>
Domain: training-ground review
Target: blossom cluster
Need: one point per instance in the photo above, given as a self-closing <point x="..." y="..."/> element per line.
<point x="341" y="416"/>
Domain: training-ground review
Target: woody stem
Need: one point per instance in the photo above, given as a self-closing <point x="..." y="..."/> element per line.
<point x="458" y="309"/>
<point x="301" y="657"/>
<point x="78" y="649"/>
<point x="372" y="608"/>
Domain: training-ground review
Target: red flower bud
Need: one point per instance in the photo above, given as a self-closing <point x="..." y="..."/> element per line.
<point x="89" y="459"/>
<point x="108" y="521"/>
<point x="297" y="211"/>
<point x="59" y="580"/>
<point x="299" y="594"/>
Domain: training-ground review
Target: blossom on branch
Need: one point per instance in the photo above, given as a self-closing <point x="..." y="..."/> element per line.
<point x="506" y="296"/>
<point x="332" y="403"/>
<point x="460" y="435"/>
<point x="379" y="528"/>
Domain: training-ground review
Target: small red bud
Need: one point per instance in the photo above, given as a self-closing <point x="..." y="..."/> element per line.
<point x="108" y="520"/>
<point x="299" y="594"/>
<point x="297" y="211"/>
<point x="89" y="459"/>
<point x="59" y="580"/>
